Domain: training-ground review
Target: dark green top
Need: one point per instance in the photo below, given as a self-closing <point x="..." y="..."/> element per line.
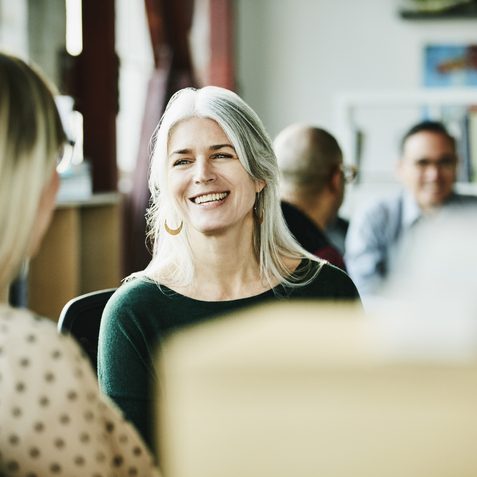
<point x="140" y="314"/>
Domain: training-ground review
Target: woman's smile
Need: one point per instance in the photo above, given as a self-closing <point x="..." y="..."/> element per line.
<point x="210" y="198"/>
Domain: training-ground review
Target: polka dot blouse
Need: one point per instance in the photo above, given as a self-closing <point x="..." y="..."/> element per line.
<point x="53" y="420"/>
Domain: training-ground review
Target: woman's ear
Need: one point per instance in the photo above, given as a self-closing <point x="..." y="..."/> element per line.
<point x="260" y="185"/>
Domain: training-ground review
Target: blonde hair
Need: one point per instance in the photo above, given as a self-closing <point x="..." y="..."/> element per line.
<point x="172" y="261"/>
<point x="31" y="135"/>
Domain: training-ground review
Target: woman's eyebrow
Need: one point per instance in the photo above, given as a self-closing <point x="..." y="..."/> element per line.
<point x="215" y="147"/>
<point x="180" y="151"/>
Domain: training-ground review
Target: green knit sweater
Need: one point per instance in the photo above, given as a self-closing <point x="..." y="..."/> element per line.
<point x="140" y="314"/>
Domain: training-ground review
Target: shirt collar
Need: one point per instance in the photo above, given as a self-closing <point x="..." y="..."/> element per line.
<point x="410" y="211"/>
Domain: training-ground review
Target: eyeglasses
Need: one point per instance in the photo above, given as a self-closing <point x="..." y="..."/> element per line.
<point x="349" y="172"/>
<point x="446" y="163"/>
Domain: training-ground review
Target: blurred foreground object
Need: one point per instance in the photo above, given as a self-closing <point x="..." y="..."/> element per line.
<point x="305" y="389"/>
<point x="435" y="271"/>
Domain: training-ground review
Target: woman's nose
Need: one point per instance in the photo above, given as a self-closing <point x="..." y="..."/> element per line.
<point x="203" y="172"/>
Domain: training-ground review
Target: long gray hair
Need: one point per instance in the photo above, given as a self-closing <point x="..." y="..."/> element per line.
<point x="172" y="261"/>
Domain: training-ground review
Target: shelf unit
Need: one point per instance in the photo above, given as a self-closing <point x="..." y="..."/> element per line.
<point x="79" y="253"/>
<point x="352" y="107"/>
<point x="347" y="104"/>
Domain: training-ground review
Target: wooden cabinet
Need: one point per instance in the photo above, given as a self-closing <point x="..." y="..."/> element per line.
<point x="80" y="253"/>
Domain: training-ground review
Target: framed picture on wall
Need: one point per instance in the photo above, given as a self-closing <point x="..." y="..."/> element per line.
<point x="450" y="65"/>
<point x="455" y="66"/>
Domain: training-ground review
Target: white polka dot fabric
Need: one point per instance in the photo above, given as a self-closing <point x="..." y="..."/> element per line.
<point x="53" y="420"/>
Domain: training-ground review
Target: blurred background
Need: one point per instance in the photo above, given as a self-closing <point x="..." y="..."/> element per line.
<point x="363" y="70"/>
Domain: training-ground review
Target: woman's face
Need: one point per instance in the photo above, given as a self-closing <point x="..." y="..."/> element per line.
<point x="213" y="191"/>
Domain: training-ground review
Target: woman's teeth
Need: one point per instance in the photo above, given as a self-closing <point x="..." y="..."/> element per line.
<point x="210" y="197"/>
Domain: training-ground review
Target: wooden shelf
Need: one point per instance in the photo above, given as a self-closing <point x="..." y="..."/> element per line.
<point x="80" y="253"/>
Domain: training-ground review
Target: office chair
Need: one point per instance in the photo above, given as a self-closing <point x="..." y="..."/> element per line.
<point x="81" y="318"/>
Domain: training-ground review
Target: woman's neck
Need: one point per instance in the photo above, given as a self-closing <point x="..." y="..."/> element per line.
<point x="226" y="268"/>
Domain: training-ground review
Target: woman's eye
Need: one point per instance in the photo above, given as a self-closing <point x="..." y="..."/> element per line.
<point x="180" y="162"/>
<point x="222" y="155"/>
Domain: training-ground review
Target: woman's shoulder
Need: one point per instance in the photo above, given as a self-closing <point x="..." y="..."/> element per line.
<point x="50" y="401"/>
<point x="135" y="290"/>
<point x="25" y="330"/>
<point x="137" y="284"/>
<point x="29" y="340"/>
<point x="137" y="298"/>
<point x="39" y="363"/>
<point x="17" y="322"/>
<point x="326" y="281"/>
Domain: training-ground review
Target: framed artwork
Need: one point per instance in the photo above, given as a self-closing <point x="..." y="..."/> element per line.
<point x="455" y="66"/>
<point x="450" y="65"/>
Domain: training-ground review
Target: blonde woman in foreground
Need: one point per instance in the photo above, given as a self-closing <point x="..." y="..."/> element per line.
<point x="53" y="419"/>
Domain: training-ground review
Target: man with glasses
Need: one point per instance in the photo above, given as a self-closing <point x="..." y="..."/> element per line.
<point x="427" y="171"/>
<point x="313" y="180"/>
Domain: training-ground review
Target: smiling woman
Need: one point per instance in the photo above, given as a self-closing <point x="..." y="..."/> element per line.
<point x="220" y="242"/>
<point x="212" y="190"/>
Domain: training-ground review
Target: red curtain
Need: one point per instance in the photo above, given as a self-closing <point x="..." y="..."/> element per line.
<point x="222" y="67"/>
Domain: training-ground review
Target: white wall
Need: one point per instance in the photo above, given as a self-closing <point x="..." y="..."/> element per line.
<point x="14" y="27"/>
<point x="295" y="58"/>
<point x="47" y="35"/>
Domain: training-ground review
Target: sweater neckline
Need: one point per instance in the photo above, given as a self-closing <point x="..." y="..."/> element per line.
<point x="279" y="289"/>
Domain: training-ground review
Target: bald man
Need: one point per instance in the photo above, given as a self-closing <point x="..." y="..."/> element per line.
<point x="312" y="186"/>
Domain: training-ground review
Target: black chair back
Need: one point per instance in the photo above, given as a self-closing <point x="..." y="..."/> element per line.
<point x="81" y="317"/>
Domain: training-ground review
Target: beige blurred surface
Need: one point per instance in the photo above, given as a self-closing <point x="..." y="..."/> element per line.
<point x="303" y="389"/>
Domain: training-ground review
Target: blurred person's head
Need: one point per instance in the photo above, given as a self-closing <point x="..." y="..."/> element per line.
<point x="428" y="164"/>
<point x="431" y="289"/>
<point x="31" y="140"/>
<point x="311" y="168"/>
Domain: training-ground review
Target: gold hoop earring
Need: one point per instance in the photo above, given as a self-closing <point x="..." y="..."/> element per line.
<point x="173" y="231"/>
